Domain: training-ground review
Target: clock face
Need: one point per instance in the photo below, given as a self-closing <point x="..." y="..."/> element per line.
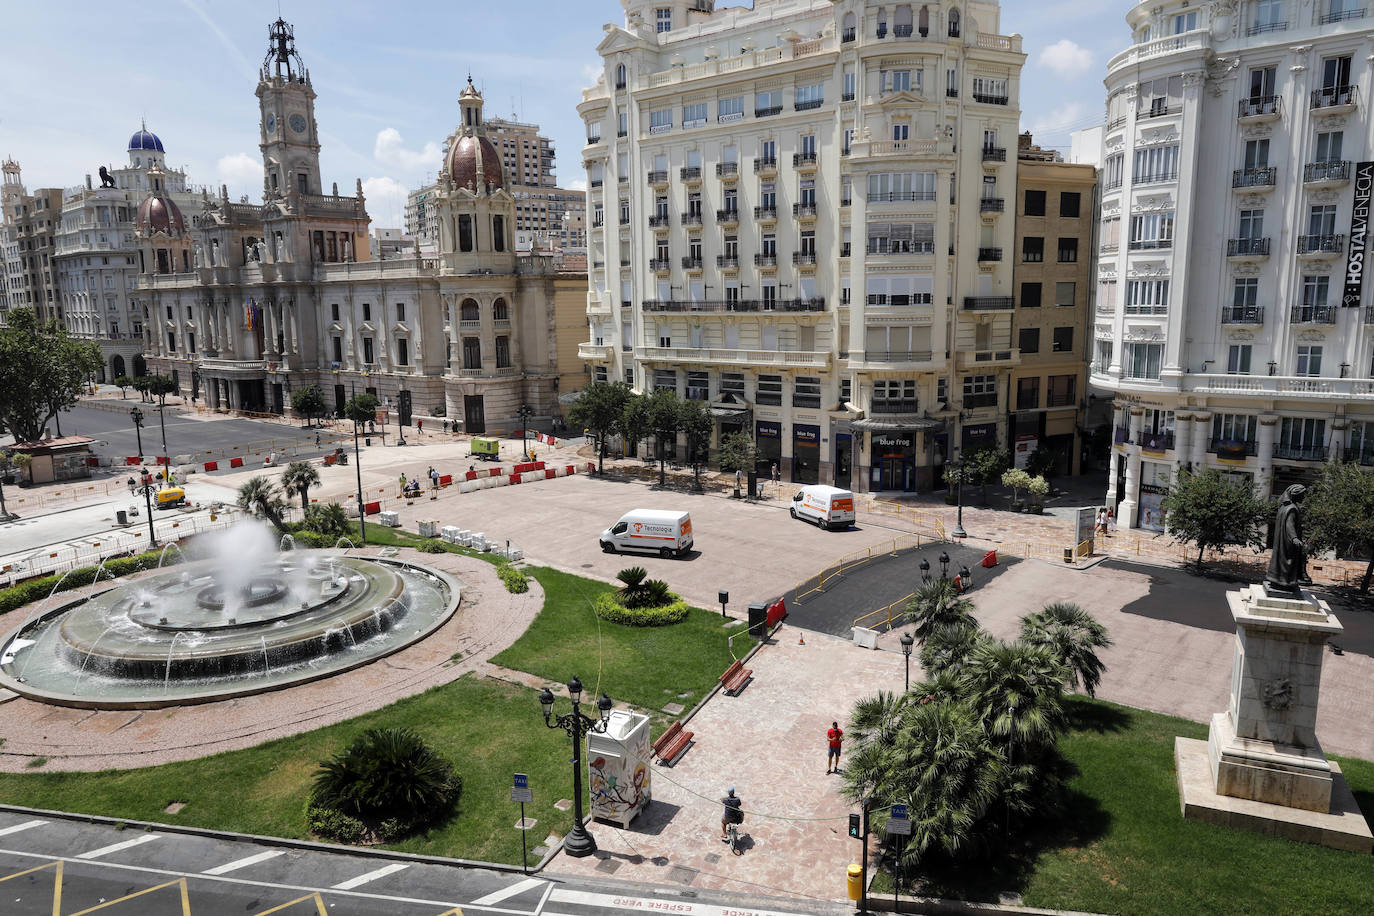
<point x="298" y="123"/>
<point x="270" y="123"/>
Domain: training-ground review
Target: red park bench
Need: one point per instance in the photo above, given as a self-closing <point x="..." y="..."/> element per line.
<point x="672" y="743"/>
<point x="735" y="677"/>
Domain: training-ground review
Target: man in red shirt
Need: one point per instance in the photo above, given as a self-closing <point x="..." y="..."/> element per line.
<point x="834" y="735"/>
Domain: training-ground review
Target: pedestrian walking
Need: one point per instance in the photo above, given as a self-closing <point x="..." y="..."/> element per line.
<point x="776" y="479"/>
<point x="1111" y="521"/>
<point x="419" y="425"/>
<point x="1101" y="521"/>
<point x="317" y="438"/>
<point x="403" y="481"/>
<point x="739" y="481"/>
<point x="433" y="477"/>
<point x="834" y="736"/>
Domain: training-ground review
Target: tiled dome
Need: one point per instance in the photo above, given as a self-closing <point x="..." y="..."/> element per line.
<point x="160" y="214"/>
<point x="471" y="157"/>
<point x="146" y="140"/>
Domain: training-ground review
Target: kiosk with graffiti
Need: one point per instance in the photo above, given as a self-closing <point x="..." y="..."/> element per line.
<point x="618" y="767"/>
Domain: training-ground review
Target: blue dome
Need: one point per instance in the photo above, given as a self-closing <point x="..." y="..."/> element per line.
<point x="145" y="140"/>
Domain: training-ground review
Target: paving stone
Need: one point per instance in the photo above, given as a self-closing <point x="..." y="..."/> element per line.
<point x="673" y="709"/>
<point x="526" y="823"/>
<point x="609" y="866"/>
<point x="563" y="804"/>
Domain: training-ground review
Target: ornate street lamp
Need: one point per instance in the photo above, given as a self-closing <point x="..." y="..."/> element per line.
<point x="925" y="570"/>
<point x="148" y="488"/>
<point x="137" y="416"/>
<point x="525" y="413"/>
<point x="907" y="642"/>
<point x="959" y="531"/>
<point x="944" y="565"/>
<point x="579" y="842"/>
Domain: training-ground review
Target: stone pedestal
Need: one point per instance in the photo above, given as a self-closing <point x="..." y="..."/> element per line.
<point x="1267" y="768"/>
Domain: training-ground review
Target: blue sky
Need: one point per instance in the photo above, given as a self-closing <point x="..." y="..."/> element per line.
<point x="81" y="74"/>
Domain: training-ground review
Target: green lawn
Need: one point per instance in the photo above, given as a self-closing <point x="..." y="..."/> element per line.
<point x="489" y="729"/>
<point x="1126" y="849"/>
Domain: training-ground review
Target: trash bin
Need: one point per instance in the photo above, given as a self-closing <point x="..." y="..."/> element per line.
<point x="758" y="620"/>
<point x="753" y="483"/>
<point x="854" y="880"/>
<point x="121" y="518"/>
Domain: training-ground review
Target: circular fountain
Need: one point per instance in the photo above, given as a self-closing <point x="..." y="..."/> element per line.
<point x="243" y="620"/>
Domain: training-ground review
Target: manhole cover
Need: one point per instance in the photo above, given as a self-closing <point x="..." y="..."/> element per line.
<point x="586" y="566"/>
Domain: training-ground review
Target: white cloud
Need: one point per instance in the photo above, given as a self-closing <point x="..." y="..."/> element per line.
<point x="241" y="172"/>
<point x="390" y="150"/>
<point x="1066" y="58"/>
<point x="386" y="201"/>
<point x="1052" y="128"/>
<point x="577" y="184"/>
<point x="591" y="73"/>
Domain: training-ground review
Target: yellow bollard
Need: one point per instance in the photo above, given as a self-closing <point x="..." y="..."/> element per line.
<point x="854" y="882"/>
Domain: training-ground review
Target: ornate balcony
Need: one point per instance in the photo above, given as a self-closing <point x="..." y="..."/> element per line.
<point x="805" y="213"/>
<point x="1260" y="179"/>
<point x="766" y="261"/>
<point x="728" y="217"/>
<point x="691" y="264"/>
<point x="727" y="171"/>
<point x="766" y="214"/>
<point x="692" y="219"/>
<point x="766" y="165"/>
<point x="1334" y="99"/>
<point x="991" y="205"/>
<point x="1320" y="246"/>
<point x="1260" y="108"/>
<point x="989" y="303"/>
<point x="690" y="174"/>
<point x="1247" y="248"/>
<point x="1326" y="174"/>
<point x="1242" y="314"/>
<point x="727" y="263"/>
<point x="804" y="162"/>
<point x="1313" y="314"/>
<point x="658" y="178"/>
<point x="989" y="254"/>
<point x="994" y="154"/>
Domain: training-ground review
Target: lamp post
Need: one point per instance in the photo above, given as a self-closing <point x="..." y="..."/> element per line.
<point x="925" y="570"/>
<point x="163" y="423"/>
<point x="579" y="843"/>
<point x="907" y="642"/>
<point x="148" y="488"/>
<point x="959" y="531"/>
<point x="724" y="597"/>
<point x="944" y="565"/>
<point x="358" y="466"/>
<point x="137" y="416"/>
<point x="525" y="413"/>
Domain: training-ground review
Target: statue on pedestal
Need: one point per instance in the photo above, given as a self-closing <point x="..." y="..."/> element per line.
<point x="1288" y="562"/>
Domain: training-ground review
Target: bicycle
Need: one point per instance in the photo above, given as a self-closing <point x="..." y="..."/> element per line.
<point x="732" y="837"/>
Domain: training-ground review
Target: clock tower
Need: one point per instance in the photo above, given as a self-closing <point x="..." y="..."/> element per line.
<point x="290" y="143"/>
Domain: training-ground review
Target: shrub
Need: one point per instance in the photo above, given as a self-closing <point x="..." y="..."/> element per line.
<point x="607" y="608"/>
<point x="328" y="519"/>
<point x="631" y="594"/>
<point x="431" y="545"/>
<point x="37" y="589"/>
<point x="334" y="824"/>
<point x="517" y="583"/>
<point x="390" y="780"/>
<point x="306" y="538"/>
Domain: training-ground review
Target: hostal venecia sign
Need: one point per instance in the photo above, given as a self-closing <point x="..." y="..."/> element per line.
<point x="1359" y="235"/>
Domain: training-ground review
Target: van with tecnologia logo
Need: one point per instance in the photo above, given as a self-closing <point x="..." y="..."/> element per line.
<point x="665" y="532"/>
<point x="828" y="507"/>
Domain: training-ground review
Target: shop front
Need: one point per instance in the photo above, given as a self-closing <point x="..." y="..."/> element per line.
<point x="893" y="461"/>
<point x="768" y="435"/>
<point x="978" y="436"/>
<point x="844" y="460"/>
<point x="806" y="453"/>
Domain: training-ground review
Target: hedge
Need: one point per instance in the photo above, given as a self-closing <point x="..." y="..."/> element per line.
<point x="516" y="581"/>
<point x="607" y="608"/>
<point x="37" y="589"/>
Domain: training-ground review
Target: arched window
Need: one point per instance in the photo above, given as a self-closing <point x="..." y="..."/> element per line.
<point x="469" y="311"/>
<point x="499" y="311"/>
<point x="847" y="28"/>
<point x="117" y="365"/>
<point x="620" y="76"/>
<point x="498" y="233"/>
<point x="882" y="22"/>
<point x="901" y="21"/>
<point x="953" y="23"/>
<point x="923" y="22"/>
<point x="464" y="233"/>
<point x="185" y="261"/>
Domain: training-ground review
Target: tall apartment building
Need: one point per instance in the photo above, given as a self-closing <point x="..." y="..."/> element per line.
<point x="1232" y="322"/>
<point x="97" y="260"/>
<point x="794" y="219"/>
<point x="28" y="234"/>
<point x="1053" y="277"/>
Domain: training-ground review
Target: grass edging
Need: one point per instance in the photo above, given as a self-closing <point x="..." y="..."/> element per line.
<point x="748" y="655"/>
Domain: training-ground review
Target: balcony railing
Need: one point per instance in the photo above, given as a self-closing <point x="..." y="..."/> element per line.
<point x="765" y="260"/>
<point x="994" y="154"/>
<point x="1300" y="452"/>
<point x="1150" y="244"/>
<point x="1334" y="97"/>
<point x="1234" y="449"/>
<point x="1247" y="248"/>
<point x="804" y="258"/>
<point x="895" y="196"/>
<point x="1321" y="244"/>
<point x="660" y="221"/>
<point x="900" y="246"/>
<point x="1261" y="28"/>
<point x="894" y="405"/>
<point x="766" y="213"/>
<point x="991" y="205"/>
<point x="1313" y="314"/>
<point x="1242" y="314"/>
<point x="803" y="160"/>
<point x="767" y="112"/>
<point x="990" y="99"/>
<point x="1155" y="442"/>
<point x="1330" y="170"/>
<point x="901" y="31"/>
<point x="898" y="356"/>
<point x="689" y="173"/>
<point x="658" y="176"/>
<point x="727" y="169"/>
<point x="657" y="264"/>
<point x="1260" y="106"/>
<point x="808" y="105"/>
<point x="1157" y="111"/>
<point x="1264" y="177"/>
<point x="804" y="211"/>
<point x="989" y="254"/>
<point x="727" y="262"/>
<point x="691" y="263"/>
<point x="728" y="215"/>
<point x="974" y="401"/>
<point x="1158" y="177"/>
<point x="765" y="164"/>
<point x="988" y="303"/>
<point x="691" y="218"/>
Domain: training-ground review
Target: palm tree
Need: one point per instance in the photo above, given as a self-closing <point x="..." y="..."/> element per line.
<point x="387" y="772"/>
<point x="1016" y="689"/>
<point x="633" y="590"/>
<point x="1073" y="636"/>
<point x="299" y="477"/>
<point x="947" y="646"/>
<point x="936" y="604"/>
<point x="260" y="496"/>
<point x="328" y="519"/>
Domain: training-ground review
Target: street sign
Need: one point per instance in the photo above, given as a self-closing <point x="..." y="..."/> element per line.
<point x="521" y="791"/>
<point x="898" y="822"/>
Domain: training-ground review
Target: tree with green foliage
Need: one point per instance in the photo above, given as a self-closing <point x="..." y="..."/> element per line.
<point x="1042" y="462"/>
<point x="664" y="415"/>
<point x="42" y="372"/>
<point x="697" y="426"/>
<point x="1339" y="513"/>
<point x="361" y="408"/>
<point x="947" y="645"/>
<point x="160" y="386"/>
<point x="387" y="773"/>
<point x="984" y="465"/>
<point x="328" y="519"/>
<point x="634" y="422"/>
<point x="600" y="408"/>
<point x="935" y="604"/>
<point x="1210" y="510"/>
<point x="1073" y="636"/>
<point x="260" y="496"/>
<point x="738" y="452"/>
<point x="298" y="478"/>
<point x="122" y="382"/>
<point x="1018" y="480"/>
<point x="140" y="384"/>
<point x="308" y="402"/>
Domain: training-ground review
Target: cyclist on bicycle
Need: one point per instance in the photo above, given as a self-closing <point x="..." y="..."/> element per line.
<point x="732" y="814"/>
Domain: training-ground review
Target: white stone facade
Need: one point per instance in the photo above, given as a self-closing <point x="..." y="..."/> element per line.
<point x="1231" y="165"/>
<point x="792" y="217"/>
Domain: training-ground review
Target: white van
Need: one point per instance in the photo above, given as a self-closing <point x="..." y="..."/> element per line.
<point x="665" y="532"/>
<point x="828" y="507"/>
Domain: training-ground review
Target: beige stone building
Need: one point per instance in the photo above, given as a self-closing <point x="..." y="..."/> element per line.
<point x="1052" y="277"/>
<point x="246" y="302"/>
<point x="28" y="234"/>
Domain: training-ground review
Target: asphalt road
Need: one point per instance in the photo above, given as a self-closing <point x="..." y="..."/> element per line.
<point x="97" y="867"/>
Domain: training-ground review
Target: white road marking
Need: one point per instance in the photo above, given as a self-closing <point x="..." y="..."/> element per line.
<point x="6" y="831"/>
<point x="369" y="877"/>
<point x="243" y="863"/>
<point x="507" y="892"/>
<point x="127" y="844"/>
<point x="681" y="907"/>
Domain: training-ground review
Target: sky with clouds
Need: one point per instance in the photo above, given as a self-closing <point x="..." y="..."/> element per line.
<point x="82" y="74"/>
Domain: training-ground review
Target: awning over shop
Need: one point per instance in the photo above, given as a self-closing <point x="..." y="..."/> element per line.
<point x="896" y="422"/>
<point x="727" y="406"/>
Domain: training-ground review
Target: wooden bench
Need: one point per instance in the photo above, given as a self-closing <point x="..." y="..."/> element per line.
<point x="735" y="677"/>
<point x="672" y="743"/>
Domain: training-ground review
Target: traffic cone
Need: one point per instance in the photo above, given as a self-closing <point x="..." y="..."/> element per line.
<point x="801" y="640"/>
